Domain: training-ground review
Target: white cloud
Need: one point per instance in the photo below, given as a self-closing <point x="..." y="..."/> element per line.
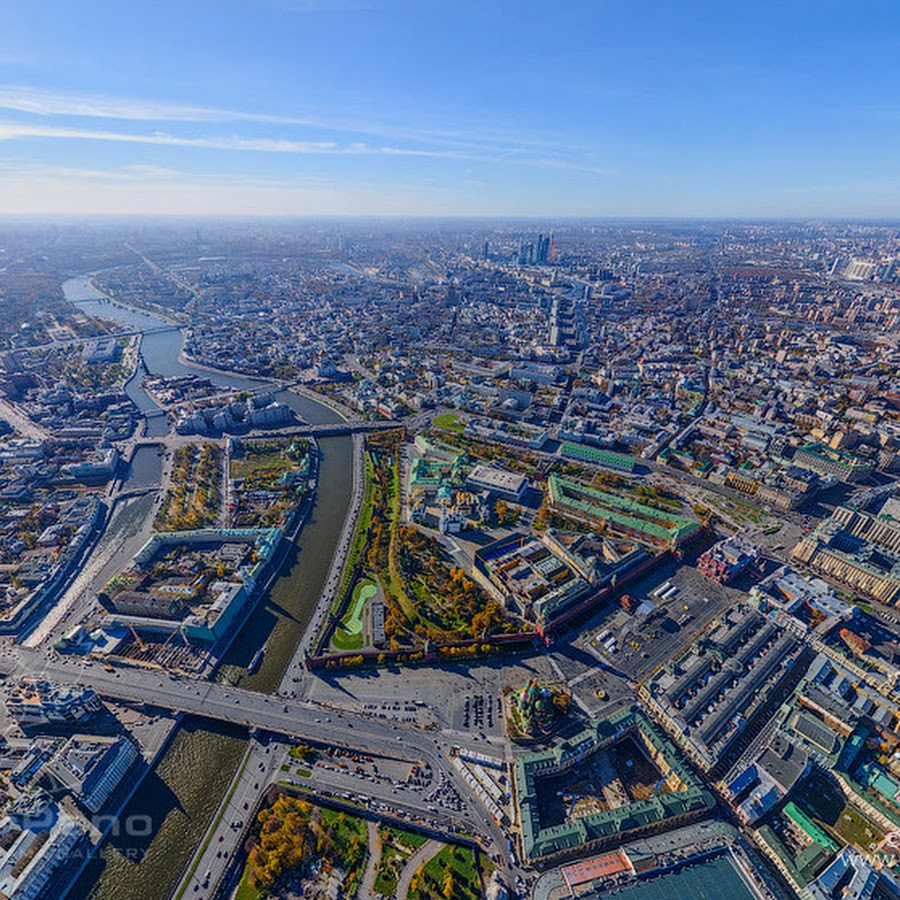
<point x="19" y="130"/>
<point x="133" y="173"/>
<point x="50" y="103"/>
<point x="39" y="102"/>
<point x="99" y="193"/>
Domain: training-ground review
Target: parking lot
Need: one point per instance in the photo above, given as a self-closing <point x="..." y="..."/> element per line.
<point x="480" y="713"/>
<point x="438" y="695"/>
<point x="444" y="795"/>
<point x="635" y="644"/>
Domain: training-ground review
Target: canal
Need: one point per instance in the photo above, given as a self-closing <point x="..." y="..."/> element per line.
<point x="184" y="789"/>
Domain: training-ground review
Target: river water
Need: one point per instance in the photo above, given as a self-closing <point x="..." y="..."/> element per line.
<point x="195" y="770"/>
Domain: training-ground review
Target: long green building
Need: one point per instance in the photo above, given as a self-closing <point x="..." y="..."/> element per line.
<point x="599" y="507"/>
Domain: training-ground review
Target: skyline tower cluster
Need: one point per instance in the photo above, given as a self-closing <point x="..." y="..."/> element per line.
<point x="538" y="253"/>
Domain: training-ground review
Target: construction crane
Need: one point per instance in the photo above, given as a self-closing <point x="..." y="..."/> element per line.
<point x="659" y="785"/>
<point x="179" y="631"/>
<point x="137" y="637"/>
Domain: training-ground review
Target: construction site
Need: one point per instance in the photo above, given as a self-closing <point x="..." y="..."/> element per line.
<point x="619" y="777"/>
<point x="609" y="779"/>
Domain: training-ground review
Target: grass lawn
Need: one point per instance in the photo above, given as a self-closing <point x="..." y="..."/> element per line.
<point x="247" y="891"/>
<point x="453" y="860"/>
<point x="268" y="456"/>
<point x="349" y="634"/>
<point x="397" y="846"/>
<point x="343" y="640"/>
<point x="854" y="828"/>
<point x="411" y="839"/>
<point x="195" y="491"/>
<point x="335" y="837"/>
<point x="269" y="464"/>
<point x="449" y="422"/>
<point x="389" y="869"/>
<point x="747" y="510"/>
<point x="344" y="824"/>
<point x="345" y="827"/>
<point x="827" y="805"/>
<point x="363" y="522"/>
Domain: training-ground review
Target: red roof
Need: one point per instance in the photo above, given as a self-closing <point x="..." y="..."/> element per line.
<point x="596" y="867"/>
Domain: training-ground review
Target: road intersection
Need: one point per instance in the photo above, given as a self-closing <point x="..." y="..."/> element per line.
<point x="291" y="720"/>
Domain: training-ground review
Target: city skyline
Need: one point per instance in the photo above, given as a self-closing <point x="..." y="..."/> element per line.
<point x="302" y="107"/>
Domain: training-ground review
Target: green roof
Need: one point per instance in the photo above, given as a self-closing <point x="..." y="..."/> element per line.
<point x="611" y="823"/>
<point x="816" y="834"/>
<point x="598" y="455"/>
<point x="838" y="457"/>
<point x="601" y="505"/>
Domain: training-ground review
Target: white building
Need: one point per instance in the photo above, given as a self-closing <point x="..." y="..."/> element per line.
<point x="36" y="838"/>
<point x="91" y="768"/>
<point x="34" y="702"/>
<point x="508" y="485"/>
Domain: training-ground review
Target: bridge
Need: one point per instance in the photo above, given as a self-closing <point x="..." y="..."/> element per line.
<point x="351" y="426"/>
<point x="136" y="492"/>
<point x="250" y="709"/>
<point x="331" y="429"/>
<point x="297" y="720"/>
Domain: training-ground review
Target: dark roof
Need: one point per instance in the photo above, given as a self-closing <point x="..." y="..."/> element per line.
<point x="783" y="761"/>
<point x="817" y="733"/>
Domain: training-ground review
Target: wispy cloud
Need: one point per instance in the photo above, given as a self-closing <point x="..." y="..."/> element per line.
<point x="47" y="189"/>
<point x="133" y="173"/>
<point x="94" y="106"/>
<point x="23" y="131"/>
<point x="472" y="140"/>
<point x="164" y="176"/>
<point x="38" y="114"/>
<point x="18" y="130"/>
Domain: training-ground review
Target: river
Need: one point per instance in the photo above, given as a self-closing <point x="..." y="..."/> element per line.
<point x="197" y="767"/>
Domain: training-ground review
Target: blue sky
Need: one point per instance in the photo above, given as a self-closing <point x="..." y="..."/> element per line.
<point x="469" y="107"/>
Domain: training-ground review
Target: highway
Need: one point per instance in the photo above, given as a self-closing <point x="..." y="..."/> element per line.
<point x="204" y="873"/>
<point x="284" y="715"/>
<point x="174" y="440"/>
<point x="301" y="720"/>
<point x="205" y="698"/>
<point x="216" y="866"/>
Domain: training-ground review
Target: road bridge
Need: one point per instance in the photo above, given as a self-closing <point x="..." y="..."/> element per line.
<point x="253" y="710"/>
<point x="136" y="492"/>
<point x="331" y="429"/>
<point x="303" y="721"/>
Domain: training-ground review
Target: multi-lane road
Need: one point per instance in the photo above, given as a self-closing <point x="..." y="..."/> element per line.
<point x="259" y="767"/>
<point x="277" y="714"/>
